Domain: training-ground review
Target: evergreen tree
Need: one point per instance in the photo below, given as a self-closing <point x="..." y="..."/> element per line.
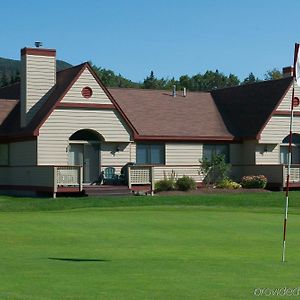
<point x="232" y="80"/>
<point x="150" y="82"/>
<point x="4" y="80"/>
<point x="250" y="79"/>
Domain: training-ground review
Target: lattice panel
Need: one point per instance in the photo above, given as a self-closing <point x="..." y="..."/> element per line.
<point x="67" y="176"/>
<point x="295" y="175"/>
<point x="140" y="176"/>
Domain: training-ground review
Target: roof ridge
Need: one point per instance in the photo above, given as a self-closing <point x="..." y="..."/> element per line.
<point x="74" y="67"/>
<point x="254" y="83"/>
<point x="155" y="90"/>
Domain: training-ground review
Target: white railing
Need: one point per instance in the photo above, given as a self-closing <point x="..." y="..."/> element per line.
<point x="141" y="175"/>
<point x="294" y="174"/>
<point x="68" y="176"/>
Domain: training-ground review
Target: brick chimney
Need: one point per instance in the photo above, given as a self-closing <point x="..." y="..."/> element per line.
<point x="287" y="71"/>
<point x="38" y="77"/>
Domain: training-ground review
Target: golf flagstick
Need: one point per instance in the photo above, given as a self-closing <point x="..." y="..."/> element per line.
<point x="294" y="103"/>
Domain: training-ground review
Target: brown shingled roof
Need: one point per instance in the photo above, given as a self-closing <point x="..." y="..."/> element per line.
<point x="6" y="107"/>
<point x="158" y="115"/>
<point x="245" y="109"/>
<point x="225" y="114"/>
<point x="11" y="91"/>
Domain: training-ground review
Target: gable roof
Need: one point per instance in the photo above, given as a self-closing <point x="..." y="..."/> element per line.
<point x="157" y="115"/>
<point x="11" y="118"/>
<point x="246" y="109"/>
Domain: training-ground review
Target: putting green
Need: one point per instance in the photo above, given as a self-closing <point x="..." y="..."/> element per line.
<point x="145" y="253"/>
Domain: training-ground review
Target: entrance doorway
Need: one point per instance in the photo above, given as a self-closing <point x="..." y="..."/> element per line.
<point x="84" y="150"/>
<point x="86" y="155"/>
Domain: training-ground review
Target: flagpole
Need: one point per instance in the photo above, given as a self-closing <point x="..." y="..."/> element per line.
<point x="289" y="158"/>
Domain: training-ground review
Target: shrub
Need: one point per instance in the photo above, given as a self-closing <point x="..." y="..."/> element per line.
<point x="254" y="182"/>
<point x="228" y="184"/>
<point x="185" y="183"/>
<point x="165" y="185"/>
<point x="214" y="170"/>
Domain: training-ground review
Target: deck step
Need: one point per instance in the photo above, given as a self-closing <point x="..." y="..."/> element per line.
<point x="107" y="190"/>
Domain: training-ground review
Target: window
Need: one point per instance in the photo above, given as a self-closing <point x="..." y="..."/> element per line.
<point x="284" y="149"/>
<point x="218" y="149"/>
<point x="4" y="154"/>
<point x="284" y="154"/>
<point x="150" y="154"/>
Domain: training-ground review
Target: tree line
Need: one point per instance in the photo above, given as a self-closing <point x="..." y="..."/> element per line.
<point x="8" y="78"/>
<point x="207" y="81"/>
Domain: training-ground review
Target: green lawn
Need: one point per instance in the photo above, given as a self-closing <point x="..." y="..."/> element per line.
<point x="197" y="247"/>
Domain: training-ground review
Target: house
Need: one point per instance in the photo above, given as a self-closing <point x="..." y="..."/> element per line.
<point x="59" y="130"/>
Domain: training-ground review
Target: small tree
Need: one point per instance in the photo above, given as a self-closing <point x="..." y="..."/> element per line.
<point x="214" y="170"/>
<point x="273" y="74"/>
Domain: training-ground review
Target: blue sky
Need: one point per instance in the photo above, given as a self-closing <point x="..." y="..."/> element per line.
<point x="171" y="38"/>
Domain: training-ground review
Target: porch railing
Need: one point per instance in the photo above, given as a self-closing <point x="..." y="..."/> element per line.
<point x="68" y="175"/>
<point x="294" y="174"/>
<point x="141" y="175"/>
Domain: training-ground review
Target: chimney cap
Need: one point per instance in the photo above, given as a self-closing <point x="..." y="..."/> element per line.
<point x="38" y="51"/>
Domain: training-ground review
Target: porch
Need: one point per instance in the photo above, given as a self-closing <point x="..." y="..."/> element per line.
<point x="69" y="179"/>
<point x="41" y="179"/>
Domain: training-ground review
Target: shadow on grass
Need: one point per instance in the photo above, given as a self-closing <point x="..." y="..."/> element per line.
<point x="78" y="259"/>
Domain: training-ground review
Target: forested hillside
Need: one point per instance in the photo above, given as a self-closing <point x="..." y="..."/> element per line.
<point x="209" y="80"/>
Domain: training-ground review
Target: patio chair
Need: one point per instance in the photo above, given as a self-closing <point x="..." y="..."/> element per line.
<point x="110" y="176"/>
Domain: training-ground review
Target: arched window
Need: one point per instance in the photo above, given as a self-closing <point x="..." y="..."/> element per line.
<point x="295" y="139"/>
<point x="86" y="135"/>
<point x="284" y="149"/>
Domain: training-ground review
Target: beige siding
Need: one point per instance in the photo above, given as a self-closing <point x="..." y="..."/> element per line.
<point x="39" y="74"/>
<point x="249" y="148"/>
<point x="62" y="123"/>
<point x="236" y="153"/>
<point x="191" y="153"/>
<point x="22" y="153"/>
<point x="111" y="157"/>
<point x="86" y="79"/>
<point x="133" y="152"/>
<point x="286" y="101"/>
<point x="267" y="154"/>
<point x="183" y="153"/>
<point x="161" y="172"/>
<point x="27" y="176"/>
<point x="4" y="154"/>
<point x="23" y="93"/>
<point x="278" y="128"/>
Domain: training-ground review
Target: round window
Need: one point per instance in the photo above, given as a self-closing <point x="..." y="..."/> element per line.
<point x="87" y="92"/>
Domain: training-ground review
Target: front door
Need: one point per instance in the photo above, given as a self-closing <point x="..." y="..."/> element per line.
<point x="86" y="155"/>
